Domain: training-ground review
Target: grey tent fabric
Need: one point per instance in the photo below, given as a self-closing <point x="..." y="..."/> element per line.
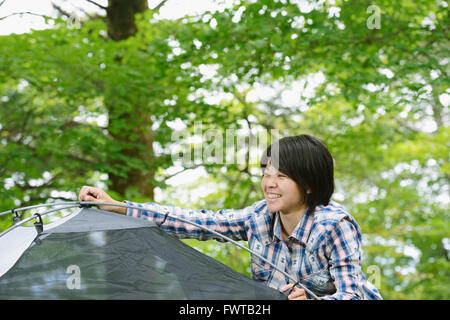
<point x="103" y="255"/>
<point x="89" y="220"/>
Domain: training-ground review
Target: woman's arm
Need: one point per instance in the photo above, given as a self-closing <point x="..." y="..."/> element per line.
<point x="345" y="261"/>
<point x="229" y="222"/>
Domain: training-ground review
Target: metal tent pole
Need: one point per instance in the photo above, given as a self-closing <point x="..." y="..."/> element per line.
<point x="35" y="216"/>
<point x="36" y="206"/>
<point x="89" y="204"/>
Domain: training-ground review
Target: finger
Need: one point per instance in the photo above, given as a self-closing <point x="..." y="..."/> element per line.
<point x="294" y="296"/>
<point x="82" y="193"/>
<point x="93" y="191"/>
<point x="86" y="192"/>
<point x="297" y="294"/>
<point x="298" y="298"/>
<point x="286" y="287"/>
<point x="90" y="199"/>
<point x="296" y="291"/>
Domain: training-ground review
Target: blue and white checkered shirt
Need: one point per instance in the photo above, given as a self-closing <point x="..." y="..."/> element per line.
<point x="323" y="252"/>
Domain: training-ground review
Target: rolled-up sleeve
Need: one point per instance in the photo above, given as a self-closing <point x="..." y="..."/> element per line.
<point x="228" y="222"/>
<point x="345" y="261"/>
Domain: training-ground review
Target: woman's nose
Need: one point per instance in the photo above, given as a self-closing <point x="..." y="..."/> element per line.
<point x="271" y="182"/>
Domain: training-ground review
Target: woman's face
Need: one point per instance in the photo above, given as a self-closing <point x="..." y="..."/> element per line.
<point x="281" y="192"/>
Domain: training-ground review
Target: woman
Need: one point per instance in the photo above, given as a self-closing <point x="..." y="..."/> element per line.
<point x="296" y="227"/>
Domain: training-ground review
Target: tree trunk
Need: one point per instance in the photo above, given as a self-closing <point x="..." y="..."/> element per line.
<point x="121" y="25"/>
<point x="120" y="17"/>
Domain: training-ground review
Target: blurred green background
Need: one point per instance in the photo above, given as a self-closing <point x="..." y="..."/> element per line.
<point x="102" y="96"/>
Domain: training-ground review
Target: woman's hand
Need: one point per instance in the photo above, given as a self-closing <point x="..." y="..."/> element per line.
<point x="92" y="194"/>
<point x="296" y="294"/>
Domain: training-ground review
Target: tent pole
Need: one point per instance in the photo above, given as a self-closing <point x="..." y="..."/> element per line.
<point x="35" y="216"/>
<point x="82" y="203"/>
<point x="37" y="206"/>
<point x="89" y="204"/>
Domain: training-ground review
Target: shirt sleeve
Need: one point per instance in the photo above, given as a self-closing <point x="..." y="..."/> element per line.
<point x="345" y="261"/>
<point x="228" y="222"/>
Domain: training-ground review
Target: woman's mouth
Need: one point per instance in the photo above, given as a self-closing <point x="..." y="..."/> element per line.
<point x="272" y="196"/>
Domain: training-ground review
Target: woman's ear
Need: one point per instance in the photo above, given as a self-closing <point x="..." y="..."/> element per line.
<point x="308" y="191"/>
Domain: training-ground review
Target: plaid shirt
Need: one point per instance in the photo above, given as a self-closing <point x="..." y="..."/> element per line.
<point x="323" y="252"/>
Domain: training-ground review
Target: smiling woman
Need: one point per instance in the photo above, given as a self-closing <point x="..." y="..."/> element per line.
<point x="296" y="227"/>
<point x="283" y="195"/>
<point x="304" y="167"/>
<point x="300" y="178"/>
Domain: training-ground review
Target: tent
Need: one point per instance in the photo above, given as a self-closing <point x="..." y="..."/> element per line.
<point x="95" y="254"/>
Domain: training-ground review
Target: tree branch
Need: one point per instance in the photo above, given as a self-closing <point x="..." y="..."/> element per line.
<point x="62" y="198"/>
<point x="185" y="169"/>
<point x="90" y="15"/>
<point x="26" y="12"/>
<point x="156" y="9"/>
<point x="97" y="4"/>
<point x="91" y="162"/>
<point x="61" y="10"/>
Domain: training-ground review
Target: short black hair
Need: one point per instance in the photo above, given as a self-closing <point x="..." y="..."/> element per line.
<point x="306" y="160"/>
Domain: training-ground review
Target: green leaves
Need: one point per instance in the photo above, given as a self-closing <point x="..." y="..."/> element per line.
<point x="78" y="108"/>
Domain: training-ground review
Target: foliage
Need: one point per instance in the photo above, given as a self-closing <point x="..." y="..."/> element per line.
<point x="378" y="97"/>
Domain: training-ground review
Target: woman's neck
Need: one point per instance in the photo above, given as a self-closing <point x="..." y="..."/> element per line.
<point x="290" y="220"/>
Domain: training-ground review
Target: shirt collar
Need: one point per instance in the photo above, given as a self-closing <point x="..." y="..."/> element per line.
<point x="301" y="231"/>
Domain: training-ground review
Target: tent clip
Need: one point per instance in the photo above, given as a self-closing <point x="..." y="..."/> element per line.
<point x="165" y="217"/>
<point x="84" y="205"/>
<point x="39" y="225"/>
<point x="16" y="218"/>
<point x="293" y="288"/>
